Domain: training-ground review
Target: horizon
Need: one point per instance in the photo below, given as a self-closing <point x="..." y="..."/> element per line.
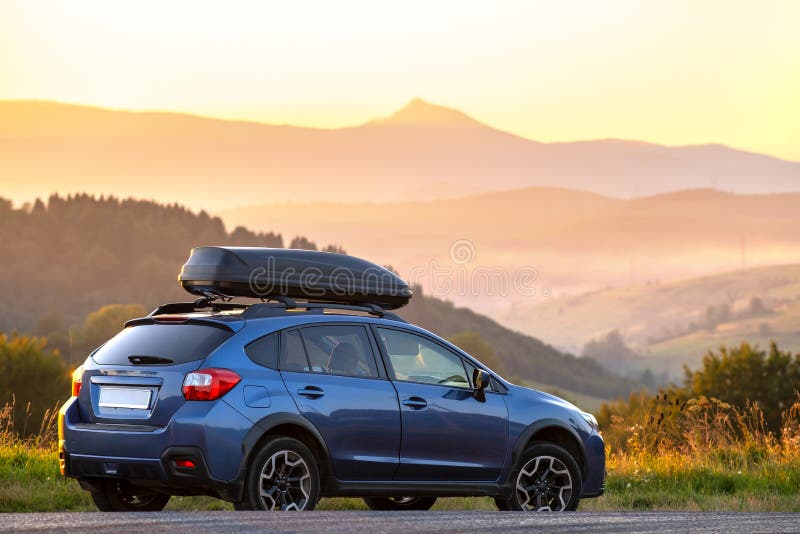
<point x="383" y="119"/>
<point x="21" y="203"/>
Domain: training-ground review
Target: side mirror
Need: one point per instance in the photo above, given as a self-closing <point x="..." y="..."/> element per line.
<point x="480" y="379"/>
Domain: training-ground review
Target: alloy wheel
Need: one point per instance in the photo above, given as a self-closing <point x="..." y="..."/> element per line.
<point x="544" y="484"/>
<point x="285" y="482"/>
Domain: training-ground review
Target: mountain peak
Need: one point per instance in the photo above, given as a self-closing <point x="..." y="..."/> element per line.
<point x="418" y="112"/>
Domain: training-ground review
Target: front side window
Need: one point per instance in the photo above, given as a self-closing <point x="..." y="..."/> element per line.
<point x="331" y="349"/>
<point x="417" y="359"/>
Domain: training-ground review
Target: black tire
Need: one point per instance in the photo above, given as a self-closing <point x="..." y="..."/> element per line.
<point x="292" y="472"/>
<point x="552" y="484"/>
<point x="400" y="503"/>
<point x="119" y="496"/>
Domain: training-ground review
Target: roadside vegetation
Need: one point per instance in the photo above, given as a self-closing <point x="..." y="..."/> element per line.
<point x="728" y="439"/>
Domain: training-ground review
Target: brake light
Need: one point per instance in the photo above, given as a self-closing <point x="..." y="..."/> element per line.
<point x="185" y="464"/>
<point x="170" y="318"/>
<point x="77" y="379"/>
<point x="209" y="384"/>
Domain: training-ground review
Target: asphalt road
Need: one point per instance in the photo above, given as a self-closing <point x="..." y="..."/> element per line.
<point x="403" y="522"/>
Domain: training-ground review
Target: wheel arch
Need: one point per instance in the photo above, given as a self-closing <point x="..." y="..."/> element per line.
<point x="290" y="425"/>
<point x="556" y="432"/>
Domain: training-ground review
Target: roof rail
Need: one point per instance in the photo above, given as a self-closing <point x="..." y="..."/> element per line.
<point x="271" y="309"/>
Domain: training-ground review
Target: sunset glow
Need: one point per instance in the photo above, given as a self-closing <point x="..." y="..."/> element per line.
<point x="678" y="72"/>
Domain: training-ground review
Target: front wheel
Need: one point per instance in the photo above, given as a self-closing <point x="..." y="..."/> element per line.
<point x="546" y="479"/>
<point x="118" y="496"/>
<point x="400" y="503"/>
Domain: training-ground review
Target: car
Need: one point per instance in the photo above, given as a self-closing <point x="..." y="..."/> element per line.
<point x="276" y="403"/>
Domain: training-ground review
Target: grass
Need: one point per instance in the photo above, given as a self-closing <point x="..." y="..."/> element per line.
<point x="30" y="482"/>
<point x="678" y="482"/>
<point x="722" y="460"/>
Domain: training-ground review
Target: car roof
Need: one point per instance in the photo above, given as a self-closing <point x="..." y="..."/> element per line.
<point x="278" y="317"/>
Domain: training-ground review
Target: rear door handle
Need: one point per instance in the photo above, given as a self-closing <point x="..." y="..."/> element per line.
<point x="312" y="392"/>
<point x="415" y="403"/>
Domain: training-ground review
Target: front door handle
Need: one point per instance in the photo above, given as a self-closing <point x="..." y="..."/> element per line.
<point x="415" y="403"/>
<point x="312" y="392"/>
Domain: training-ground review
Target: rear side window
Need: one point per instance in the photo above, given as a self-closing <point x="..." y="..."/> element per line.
<point x="294" y="354"/>
<point x="331" y="349"/>
<point x="339" y="350"/>
<point x="161" y="344"/>
<point x="264" y="351"/>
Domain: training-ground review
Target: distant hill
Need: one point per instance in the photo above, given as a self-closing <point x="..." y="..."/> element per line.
<point x="672" y="324"/>
<point x="49" y="146"/>
<point x="576" y="240"/>
<point x="523" y="355"/>
<point x="70" y="256"/>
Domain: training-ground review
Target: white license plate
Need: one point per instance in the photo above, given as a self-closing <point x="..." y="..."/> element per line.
<point x="113" y="397"/>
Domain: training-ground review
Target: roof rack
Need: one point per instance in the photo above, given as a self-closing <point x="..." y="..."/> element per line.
<point x="271" y="309"/>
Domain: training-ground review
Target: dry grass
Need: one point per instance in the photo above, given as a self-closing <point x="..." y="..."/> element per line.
<point x="719" y="458"/>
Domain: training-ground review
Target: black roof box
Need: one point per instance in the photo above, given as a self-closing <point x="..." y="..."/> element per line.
<point x="304" y="274"/>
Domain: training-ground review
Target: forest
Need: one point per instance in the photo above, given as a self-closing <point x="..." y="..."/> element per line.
<point x="68" y="259"/>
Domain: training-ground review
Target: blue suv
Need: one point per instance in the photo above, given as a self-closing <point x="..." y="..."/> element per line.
<point x="273" y="405"/>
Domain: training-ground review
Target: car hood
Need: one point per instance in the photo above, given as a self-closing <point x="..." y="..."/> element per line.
<point x="541" y="396"/>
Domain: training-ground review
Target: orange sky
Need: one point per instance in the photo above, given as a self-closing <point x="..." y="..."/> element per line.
<point x="672" y="72"/>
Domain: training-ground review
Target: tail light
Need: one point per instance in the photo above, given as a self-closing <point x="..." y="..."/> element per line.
<point x="77" y="379"/>
<point x="209" y="384"/>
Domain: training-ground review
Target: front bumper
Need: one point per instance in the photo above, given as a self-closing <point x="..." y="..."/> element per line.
<point x="595" y="482"/>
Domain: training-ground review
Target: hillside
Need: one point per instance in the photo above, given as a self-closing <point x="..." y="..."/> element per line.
<point x="72" y="255"/>
<point x="672" y="324"/>
<point x="422" y="151"/>
<point x="576" y="240"/>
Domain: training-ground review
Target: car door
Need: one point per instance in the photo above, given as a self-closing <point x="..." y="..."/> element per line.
<point x="334" y="378"/>
<point x="447" y="434"/>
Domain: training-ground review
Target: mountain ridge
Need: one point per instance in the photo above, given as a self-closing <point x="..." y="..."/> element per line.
<point x="378" y="120"/>
<point x="168" y="154"/>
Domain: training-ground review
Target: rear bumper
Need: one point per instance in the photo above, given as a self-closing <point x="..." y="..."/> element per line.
<point x="161" y="474"/>
<point x="146" y="456"/>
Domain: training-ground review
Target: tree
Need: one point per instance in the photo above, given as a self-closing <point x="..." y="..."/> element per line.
<point x="474" y="345"/>
<point x="301" y="242"/>
<point x="105" y="323"/>
<point x="336" y="249"/>
<point x="740" y="374"/>
<point x="29" y="373"/>
<point x="611" y="351"/>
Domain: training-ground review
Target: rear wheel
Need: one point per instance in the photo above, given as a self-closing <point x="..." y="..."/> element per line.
<point x="119" y="496"/>
<point x="400" y="503"/>
<point x="283" y="476"/>
<point x="546" y="479"/>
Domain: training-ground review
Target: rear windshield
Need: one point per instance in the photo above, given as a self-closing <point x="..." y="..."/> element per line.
<point x="161" y="344"/>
